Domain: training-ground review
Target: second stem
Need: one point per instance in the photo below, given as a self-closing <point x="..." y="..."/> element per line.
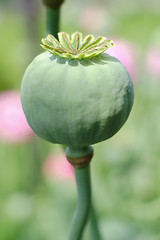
<point x="53" y="21"/>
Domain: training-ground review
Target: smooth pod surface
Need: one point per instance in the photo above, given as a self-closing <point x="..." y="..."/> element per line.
<point x="76" y="102"/>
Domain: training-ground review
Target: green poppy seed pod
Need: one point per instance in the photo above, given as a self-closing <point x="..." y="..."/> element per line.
<point x="74" y="94"/>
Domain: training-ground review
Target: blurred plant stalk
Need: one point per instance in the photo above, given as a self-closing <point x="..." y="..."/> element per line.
<point x="31" y="11"/>
<point x="52" y="16"/>
<point x="80" y="158"/>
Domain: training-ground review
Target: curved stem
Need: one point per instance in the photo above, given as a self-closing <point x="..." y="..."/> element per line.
<point x="83" y="203"/>
<point x="95" y="233"/>
<point x="53" y="21"/>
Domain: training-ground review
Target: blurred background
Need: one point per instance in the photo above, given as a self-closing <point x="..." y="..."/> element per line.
<point x="37" y="188"/>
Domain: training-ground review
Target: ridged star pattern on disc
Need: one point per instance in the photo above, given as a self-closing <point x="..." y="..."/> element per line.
<point x="75" y="47"/>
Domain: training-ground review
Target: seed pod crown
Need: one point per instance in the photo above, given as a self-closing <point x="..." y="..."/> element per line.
<point x="75" y="47"/>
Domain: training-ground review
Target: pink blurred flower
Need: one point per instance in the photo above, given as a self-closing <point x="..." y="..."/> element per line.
<point x="56" y="166"/>
<point x="124" y="52"/>
<point x="93" y="19"/>
<point x="13" y="124"/>
<point x="153" y="62"/>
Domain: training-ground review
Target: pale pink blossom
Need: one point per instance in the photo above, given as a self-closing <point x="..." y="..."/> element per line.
<point x="56" y="166"/>
<point x="125" y="52"/>
<point x="153" y="62"/>
<point x="93" y="18"/>
<point x="13" y="124"/>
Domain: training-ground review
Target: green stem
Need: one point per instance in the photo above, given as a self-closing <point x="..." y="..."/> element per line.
<point x="95" y="233"/>
<point x="83" y="203"/>
<point x="53" y="20"/>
